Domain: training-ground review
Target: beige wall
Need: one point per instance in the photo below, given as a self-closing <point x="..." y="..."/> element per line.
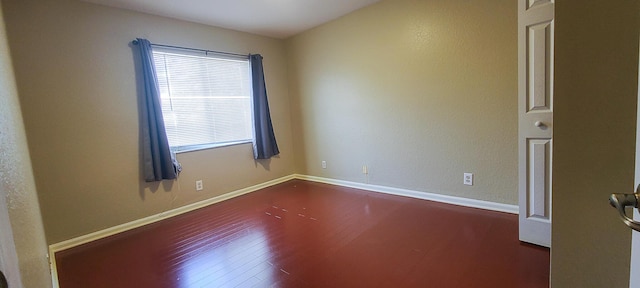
<point x="18" y="194"/>
<point x="596" y="74"/>
<point x="420" y="91"/>
<point x="75" y="73"/>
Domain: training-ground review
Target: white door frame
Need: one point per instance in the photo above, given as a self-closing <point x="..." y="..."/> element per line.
<point x="634" y="276"/>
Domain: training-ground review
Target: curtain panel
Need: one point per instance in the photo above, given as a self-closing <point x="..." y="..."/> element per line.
<point x="159" y="162"/>
<point x="264" y="145"/>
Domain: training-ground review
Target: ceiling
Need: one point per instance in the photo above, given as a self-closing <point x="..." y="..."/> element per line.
<point x="273" y="18"/>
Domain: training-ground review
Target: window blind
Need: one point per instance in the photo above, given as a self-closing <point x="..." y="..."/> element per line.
<point x="205" y="99"/>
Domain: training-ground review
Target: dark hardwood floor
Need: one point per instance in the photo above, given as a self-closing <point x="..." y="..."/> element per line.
<point x="305" y="234"/>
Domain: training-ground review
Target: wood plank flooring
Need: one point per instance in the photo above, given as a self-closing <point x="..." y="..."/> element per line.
<point x="305" y="234"/>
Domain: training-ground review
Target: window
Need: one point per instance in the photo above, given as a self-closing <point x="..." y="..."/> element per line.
<point x="206" y="100"/>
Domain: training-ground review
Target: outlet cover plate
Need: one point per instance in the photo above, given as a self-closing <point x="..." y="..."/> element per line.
<point x="468" y="179"/>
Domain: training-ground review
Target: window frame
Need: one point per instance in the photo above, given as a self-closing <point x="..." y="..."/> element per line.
<point x="224" y="56"/>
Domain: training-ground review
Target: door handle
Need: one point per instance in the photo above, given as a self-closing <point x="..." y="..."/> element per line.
<point x="3" y="281"/>
<point x="622" y="201"/>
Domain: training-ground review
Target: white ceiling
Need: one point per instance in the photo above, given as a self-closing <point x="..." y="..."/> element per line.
<point x="273" y="18"/>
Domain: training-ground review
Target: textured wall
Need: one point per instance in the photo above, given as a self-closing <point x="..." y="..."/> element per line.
<point x="596" y="75"/>
<point x="75" y="74"/>
<point x="420" y="91"/>
<point x="17" y="188"/>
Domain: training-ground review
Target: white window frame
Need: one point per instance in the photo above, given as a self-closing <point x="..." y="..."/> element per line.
<point x="220" y="56"/>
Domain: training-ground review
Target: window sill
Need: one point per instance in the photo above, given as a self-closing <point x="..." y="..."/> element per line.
<point x="192" y="148"/>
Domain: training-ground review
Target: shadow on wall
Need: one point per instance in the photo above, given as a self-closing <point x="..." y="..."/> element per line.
<point x="167" y="186"/>
<point x="265" y="163"/>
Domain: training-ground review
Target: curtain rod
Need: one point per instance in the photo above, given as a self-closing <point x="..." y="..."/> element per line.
<point x="135" y="42"/>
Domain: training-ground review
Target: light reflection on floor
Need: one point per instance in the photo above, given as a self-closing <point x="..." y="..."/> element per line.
<point x="222" y="266"/>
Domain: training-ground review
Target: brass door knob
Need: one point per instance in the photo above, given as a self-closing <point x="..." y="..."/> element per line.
<point x="622" y="201"/>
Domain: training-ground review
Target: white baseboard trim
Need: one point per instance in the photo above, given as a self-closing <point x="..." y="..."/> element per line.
<point x="499" y="207"/>
<point x="57" y="247"/>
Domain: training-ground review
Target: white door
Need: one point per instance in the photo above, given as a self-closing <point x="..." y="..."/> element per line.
<point x="535" y="123"/>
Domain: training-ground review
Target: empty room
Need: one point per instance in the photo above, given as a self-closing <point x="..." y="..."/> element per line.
<point x="360" y="143"/>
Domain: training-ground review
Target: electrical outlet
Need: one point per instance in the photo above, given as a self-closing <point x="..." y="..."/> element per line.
<point x="324" y="164"/>
<point x="468" y="179"/>
<point x="365" y="169"/>
<point x="199" y="185"/>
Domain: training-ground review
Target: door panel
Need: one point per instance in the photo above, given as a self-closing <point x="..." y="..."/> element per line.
<point x="535" y="123"/>
<point x="539" y="183"/>
<point x="538" y="74"/>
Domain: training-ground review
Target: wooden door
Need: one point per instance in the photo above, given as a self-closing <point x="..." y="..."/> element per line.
<point x="535" y="123"/>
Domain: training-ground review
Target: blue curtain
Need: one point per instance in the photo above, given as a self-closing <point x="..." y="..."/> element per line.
<point x="264" y="145"/>
<point x="159" y="161"/>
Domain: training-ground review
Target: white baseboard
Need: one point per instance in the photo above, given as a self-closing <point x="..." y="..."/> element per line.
<point x="499" y="207"/>
<point x="57" y="247"/>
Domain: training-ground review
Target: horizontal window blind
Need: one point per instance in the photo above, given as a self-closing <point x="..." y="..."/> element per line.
<point x="205" y="99"/>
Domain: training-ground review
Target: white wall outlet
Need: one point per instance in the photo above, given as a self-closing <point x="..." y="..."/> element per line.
<point x="324" y="164"/>
<point x="199" y="185"/>
<point x="468" y="179"/>
<point x="365" y="169"/>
